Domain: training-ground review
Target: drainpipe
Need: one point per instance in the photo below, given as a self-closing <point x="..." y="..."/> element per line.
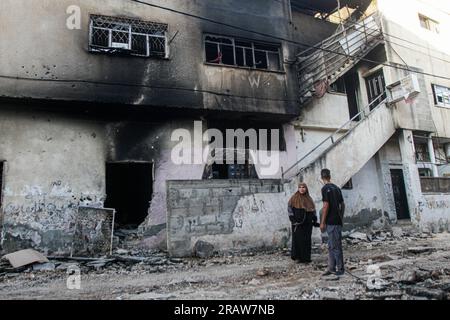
<point x="432" y="156"/>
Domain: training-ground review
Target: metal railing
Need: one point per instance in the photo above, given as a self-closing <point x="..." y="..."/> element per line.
<point x="332" y="138"/>
<point x="435" y="185"/>
<point x="331" y="57"/>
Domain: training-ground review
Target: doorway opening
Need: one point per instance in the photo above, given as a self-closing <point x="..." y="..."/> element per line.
<point x="400" y="198"/>
<point x="351" y="81"/>
<point x="129" y="188"/>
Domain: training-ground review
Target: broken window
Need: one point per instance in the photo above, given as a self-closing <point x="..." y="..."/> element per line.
<point x="242" y="53"/>
<point x="131" y="36"/>
<point x="422" y="153"/>
<point x="441" y="96"/>
<point x="428" y="23"/>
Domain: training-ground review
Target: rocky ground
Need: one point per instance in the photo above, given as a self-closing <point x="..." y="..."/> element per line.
<point x="383" y="265"/>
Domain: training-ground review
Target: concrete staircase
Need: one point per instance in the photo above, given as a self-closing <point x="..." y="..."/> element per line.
<point x="346" y="155"/>
<point x="323" y="64"/>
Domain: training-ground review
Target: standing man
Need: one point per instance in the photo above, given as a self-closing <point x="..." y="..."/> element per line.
<point x="332" y="222"/>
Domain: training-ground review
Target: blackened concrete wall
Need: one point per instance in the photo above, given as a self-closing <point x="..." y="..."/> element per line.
<point x="56" y="163"/>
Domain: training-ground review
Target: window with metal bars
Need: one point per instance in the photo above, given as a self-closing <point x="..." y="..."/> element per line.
<point x="236" y="52"/>
<point x="428" y="23"/>
<point x="441" y="96"/>
<point x="125" y="35"/>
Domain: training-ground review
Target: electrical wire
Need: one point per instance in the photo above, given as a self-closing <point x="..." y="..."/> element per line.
<point x="144" y="86"/>
<point x="405" y="68"/>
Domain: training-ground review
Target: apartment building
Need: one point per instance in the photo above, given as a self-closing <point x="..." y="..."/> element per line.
<point x="93" y="91"/>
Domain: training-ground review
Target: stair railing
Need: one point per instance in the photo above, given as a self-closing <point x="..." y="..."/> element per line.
<point x="362" y="114"/>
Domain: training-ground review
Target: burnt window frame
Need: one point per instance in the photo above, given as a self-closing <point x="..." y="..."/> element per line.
<point x="255" y="46"/>
<point x="160" y="31"/>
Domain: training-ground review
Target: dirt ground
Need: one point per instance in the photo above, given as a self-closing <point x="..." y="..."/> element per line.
<point x="412" y="267"/>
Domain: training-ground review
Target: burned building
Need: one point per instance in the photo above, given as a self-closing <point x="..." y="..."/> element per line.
<point x="92" y="93"/>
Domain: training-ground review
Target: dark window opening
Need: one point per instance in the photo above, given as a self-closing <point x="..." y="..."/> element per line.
<point x="338" y="86"/>
<point x="425" y="172"/>
<point x="376" y="88"/>
<point x="348" y="185"/>
<point x="129" y="191"/>
<point x="234" y="171"/>
<point x="242" y="53"/>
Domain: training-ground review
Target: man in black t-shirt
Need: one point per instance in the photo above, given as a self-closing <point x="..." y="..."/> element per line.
<point x="332" y="222"/>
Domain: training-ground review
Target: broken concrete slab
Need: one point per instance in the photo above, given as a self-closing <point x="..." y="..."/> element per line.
<point x="427" y="293"/>
<point x="397" y="232"/>
<point x="417" y="250"/>
<point x="25" y="257"/>
<point x="358" y="236"/>
<point x="376" y="284"/>
<point x="48" y="266"/>
<point x="407" y="277"/>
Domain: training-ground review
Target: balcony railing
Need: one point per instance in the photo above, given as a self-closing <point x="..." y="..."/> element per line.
<point x="435" y="185"/>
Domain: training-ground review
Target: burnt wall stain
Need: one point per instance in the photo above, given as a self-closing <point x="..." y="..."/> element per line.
<point x="364" y="218"/>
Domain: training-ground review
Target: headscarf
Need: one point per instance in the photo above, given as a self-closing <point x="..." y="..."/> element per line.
<point x="302" y="201"/>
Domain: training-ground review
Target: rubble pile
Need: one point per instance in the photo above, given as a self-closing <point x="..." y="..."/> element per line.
<point x="395" y="264"/>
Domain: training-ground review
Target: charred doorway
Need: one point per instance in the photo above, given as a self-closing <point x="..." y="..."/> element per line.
<point x="351" y="81"/>
<point x="129" y="188"/>
<point x="400" y="198"/>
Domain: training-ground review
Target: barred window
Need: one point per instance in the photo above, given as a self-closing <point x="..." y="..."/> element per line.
<point x="131" y="36"/>
<point x="242" y="53"/>
<point x="441" y="96"/>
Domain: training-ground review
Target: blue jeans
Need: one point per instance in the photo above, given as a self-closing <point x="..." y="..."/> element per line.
<point x="335" y="254"/>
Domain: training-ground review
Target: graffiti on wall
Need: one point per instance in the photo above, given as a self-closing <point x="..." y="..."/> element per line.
<point x="250" y="206"/>
<point x="52" y="209"/>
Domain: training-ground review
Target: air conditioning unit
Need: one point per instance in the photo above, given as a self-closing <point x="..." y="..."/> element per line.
<point x="404" y="89"/>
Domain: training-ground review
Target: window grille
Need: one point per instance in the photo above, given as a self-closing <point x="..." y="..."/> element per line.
<point x="125" y="35"/>
<point x="242" y="53"/>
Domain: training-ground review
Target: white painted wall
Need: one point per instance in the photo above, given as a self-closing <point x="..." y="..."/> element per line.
<point x="422" y="48"/>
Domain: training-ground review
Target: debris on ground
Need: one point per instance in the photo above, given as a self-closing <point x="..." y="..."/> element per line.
<point x="25" y="257"/>
<point x="410" y="266"/>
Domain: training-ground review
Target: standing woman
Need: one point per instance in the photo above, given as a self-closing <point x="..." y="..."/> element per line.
<point x="302" y="213"/>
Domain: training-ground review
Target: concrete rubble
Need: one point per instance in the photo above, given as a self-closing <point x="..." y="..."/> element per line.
<point x="414" y="266"/>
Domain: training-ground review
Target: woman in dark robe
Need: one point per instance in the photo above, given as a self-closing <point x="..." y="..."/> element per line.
<point x="302" y="213"/>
